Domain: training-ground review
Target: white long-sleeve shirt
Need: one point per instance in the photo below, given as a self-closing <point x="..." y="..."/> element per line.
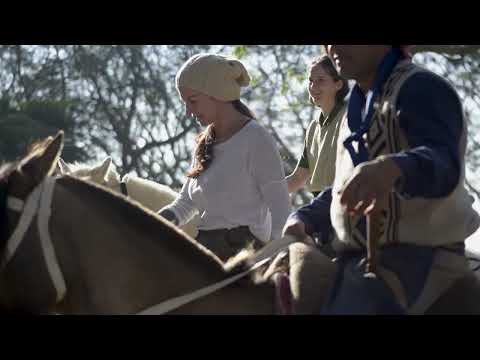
<point x="244" y="186"/>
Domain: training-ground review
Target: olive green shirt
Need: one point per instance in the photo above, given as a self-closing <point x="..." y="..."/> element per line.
<point x="320" y="149"/>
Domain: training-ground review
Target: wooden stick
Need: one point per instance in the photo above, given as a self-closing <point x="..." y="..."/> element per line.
<point x="373" y="239"/>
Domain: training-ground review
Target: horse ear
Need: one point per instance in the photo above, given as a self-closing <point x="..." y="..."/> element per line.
<point x="101" y="172"/>
<point x="50" y="156"/>
<point x="42" y="163"/>
<point x="63" y="167"/>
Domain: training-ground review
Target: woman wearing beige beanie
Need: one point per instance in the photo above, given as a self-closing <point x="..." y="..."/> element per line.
<point x="236" y="183"/>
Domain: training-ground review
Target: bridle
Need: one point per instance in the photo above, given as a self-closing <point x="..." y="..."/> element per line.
<point x="38" y="204"/>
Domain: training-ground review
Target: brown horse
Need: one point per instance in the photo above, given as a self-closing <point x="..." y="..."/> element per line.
<point x="95" y="252"/>
<point x="102" y="254"/>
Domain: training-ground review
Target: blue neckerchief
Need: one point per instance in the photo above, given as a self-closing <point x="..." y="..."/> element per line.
<point x="360" y="112"/>
<point x="358" y="121"/>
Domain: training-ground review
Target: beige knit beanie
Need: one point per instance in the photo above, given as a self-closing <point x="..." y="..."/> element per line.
<point x="213" y="75"/>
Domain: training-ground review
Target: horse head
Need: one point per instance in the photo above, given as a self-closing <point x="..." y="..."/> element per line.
<point x="20" y="188"/>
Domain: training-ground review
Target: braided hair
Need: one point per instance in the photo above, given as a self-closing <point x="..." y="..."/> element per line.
<point x="203" y="153"/>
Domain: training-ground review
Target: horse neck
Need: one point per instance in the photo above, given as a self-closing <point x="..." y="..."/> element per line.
<point x="120" y="266"/>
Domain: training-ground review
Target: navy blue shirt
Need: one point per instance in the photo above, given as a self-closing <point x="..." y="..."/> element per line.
<point x="431" y="116"/>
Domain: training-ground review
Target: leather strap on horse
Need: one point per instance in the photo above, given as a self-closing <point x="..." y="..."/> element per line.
<point x="179" y="301"/>
<point x="49" y="254"/>
<point x="29" y="212"/>
<point x="38" y="203"/>
<point x="123" y="188"/>
<point x="262" y="257"/>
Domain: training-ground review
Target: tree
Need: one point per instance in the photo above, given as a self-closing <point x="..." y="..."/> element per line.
<point x="460" y="65"/>
<point x="123" y="102"/>
<point x="34" y="120"/>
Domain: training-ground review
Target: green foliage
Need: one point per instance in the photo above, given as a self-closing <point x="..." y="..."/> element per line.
<point x="254" y="80"/>
<point x="239" y="51"/>
<point x="284" y="88"/>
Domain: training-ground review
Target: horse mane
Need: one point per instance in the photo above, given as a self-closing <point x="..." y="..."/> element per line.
<point x="76" y="166"/>
<point x="152" y="223"/>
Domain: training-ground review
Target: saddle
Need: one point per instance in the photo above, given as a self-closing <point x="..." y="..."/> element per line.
<point x="278" y="272"/>
<point x="296" y="292"/>
<point x="295" y="273"/>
